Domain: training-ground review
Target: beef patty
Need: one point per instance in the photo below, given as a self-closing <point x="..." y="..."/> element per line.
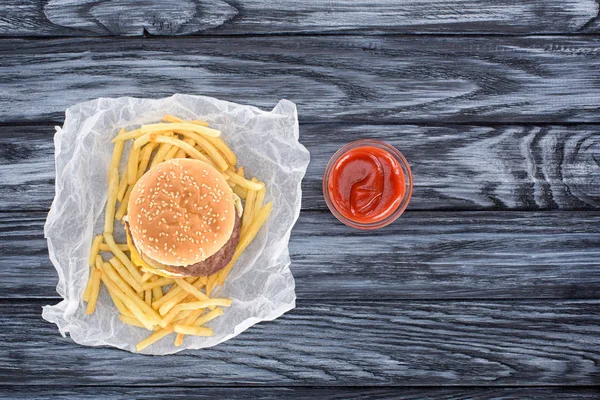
<point x="213" y="263"/>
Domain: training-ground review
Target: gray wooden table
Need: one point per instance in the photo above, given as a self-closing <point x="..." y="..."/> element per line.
<point x="488" y="286"/>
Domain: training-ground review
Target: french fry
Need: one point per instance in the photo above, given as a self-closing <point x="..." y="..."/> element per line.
<point x="120" y="246"/>
<point x="95" y="290"/>
<point x="95" y="248"/>
<point x="157" y="283"/>
<point x="224" y="149"/>
<point x="182" y="154"/>
<point x="174" y="153"/>
<point x="238" y="180"/>
<point x="253" y="229"/>
<point x="132" y="165"/>
<point x="109" y="213"/>
<point x="180" y="126"/>
<point x="191" y="289"/>
<point x="175" y="290"/>
<point x="212" y="152"/>
<point x="119" y="304"/>
<point x="184" y="146"/>
<point x="157" y="293"/>
<point x="154" y="337"/>
<point x="240" y="191"/>
<point x="160" y="154"/>
<point x="212" y="282"/>
<point x="146" y="276"/>
<point x="148" y="321"/>
<point x="145" y="155"/>
<point x="248" y="212"/>
<point x="194" y="315"/>
<point x="133" y="134"/>
<point x="193" y="330"/>
<point x="171" y="118"/>
<point x="168" y="305"/>
<point x="148" y="296"/>
<point x="110" y="241"/>
<point x="260" y="199"/>
<point x="125" y="274"/>
<point x="170" y="316"/>
<point x="122" y="186"/>
<point x="88" y="287"/>
<point x="207" y="317"/>
<point x="117" y="154"/>
<point x="123" y="205"/>
<point x="131" y="321"/>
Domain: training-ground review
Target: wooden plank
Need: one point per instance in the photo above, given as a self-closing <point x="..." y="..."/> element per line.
<point x="454" y="167"/>
<point x="82" y="17"/>
<point x="424" y="255"/>
<point x="297" y="393"/>
<point x="328" y="342"/>
<point x="331" y="78"/>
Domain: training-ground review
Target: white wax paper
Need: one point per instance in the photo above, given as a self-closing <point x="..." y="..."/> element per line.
<point x="260" y="284"/>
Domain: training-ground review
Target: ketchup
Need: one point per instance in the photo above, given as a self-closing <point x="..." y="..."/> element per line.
<point x="366" y="184"/>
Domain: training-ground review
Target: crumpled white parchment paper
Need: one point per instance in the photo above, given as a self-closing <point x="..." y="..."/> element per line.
<point x="261" y="283"/>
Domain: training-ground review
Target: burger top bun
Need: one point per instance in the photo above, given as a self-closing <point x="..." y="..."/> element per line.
<point x="181" y="212"/>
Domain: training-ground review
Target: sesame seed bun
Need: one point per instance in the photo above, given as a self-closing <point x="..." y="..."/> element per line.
<point x="181" y="212"/>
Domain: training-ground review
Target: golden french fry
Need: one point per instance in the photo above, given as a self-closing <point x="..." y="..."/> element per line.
<point x="146" y="276"/>
<point x="148" y="296"/>
<point x="123" y="205"/>
<point x="122" y="186"/>
<point x="95" y="290"/>
<point x="248" y="212"/>
<point x="176" y="291"/>
<point x="119" y="304"/>
<point x="224" y="149"/>
<point x="170" y="316"/>
<point x="157" y="293"/>
<point x="184" y="146"/>
<point x="193" y="330"/>
<point x="238" y="180"/>
<point x="128" y="299"/>
<point x="253" y="229"/>
<point x="171" y="118"/>
<point x="132" y="297"/>
<point x="180" y="153"/>
<point x="154" y="337"/>
<point x="117" y="154"/>
<point x="109" y="213"/>
<point x="110" y="241"/>
<point x="157" y="283"/>
<point x="207" y="317"/>
<point x="88" y="287"/>
<point x="191" y="289"/>
<point x="260" y="199"/>
<point x="126" y="319"/>
<point x="132" y="165"/>
<point x="95" y="248"/>
<point x="133" y="134"/>
<point x="213" y="153"/>
<point x="160" y="154"/>
<point x="194" y="315"/>
<point x="125" y="274"/>
<point x="240" y="191"/>
<point x="173" y="152"/>
<point x="145" y="155"/>
<point x="180" y="126"/>
<point x="120" y="246"/>
<point x="212" y="282"/>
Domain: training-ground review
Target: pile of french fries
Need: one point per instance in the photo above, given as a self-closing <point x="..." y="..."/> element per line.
<point x="143" y="297"/>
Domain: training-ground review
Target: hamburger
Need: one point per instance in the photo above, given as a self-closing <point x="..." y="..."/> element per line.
<point x="183" y="219"/>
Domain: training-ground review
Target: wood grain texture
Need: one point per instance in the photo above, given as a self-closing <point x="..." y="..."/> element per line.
<point x="454" y="167"/>
<point x="345" y="344"/>
<point x="131" y="18"/>
<point x="331" y="78"/>
<point x="422" y="256"/>
<point x="297" y="393"/>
